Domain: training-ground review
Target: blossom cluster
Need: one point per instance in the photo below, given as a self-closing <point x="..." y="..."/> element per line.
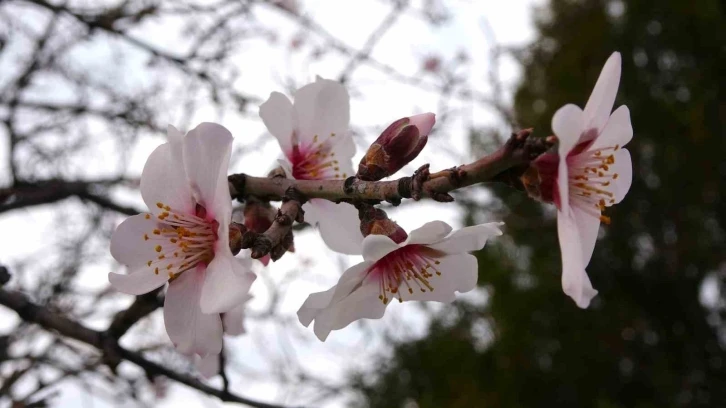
<point x="184" y="239"/>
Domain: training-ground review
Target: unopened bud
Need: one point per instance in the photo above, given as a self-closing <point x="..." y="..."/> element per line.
<point x="375" y="221"/>
<point x="258" y="217"/>
<point x="400" y="143"/>
<point x="235" y="237"/>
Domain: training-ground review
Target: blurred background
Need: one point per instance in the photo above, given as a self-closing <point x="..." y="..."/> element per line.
<point x="88" y="87"/>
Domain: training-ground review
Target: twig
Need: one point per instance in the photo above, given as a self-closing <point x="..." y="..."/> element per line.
<point x="142" y="306"/>
<point x="32" y="312"/>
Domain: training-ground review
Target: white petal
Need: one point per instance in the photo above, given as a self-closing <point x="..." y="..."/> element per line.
<point x="233" y="321"/>
<point x="587" y="229"/>
<point x="377" y="246"/>
<point x="338" y="224"/>
<point x="278" y="115"/>
<point x="164" y="180"/>
<point x="286" y="167"/>
<point x="459" y="273"/>
<point x="138" y="282"/>
<point x="351" y="279"/>
<point x="617" y="131"/>
<point x="424" y="122"/>
<point x="469" y="239"/>
<point x="128" y="245"/>
<point x="226" y="283"/>
<point x="575" y="282"/>
<point x="433" y="231"/>
<point x="189" y="329"/>
<point x="623" y="166"/>
<point x="344" y="149"/>
<point x="322" y="108"/>
<point x="206" y="158"/>
<point x="363" y="303"/>
<point x="567" y="125"/>
<point x="563" y="186"/>
<point x="600" y="104"/>
<point x="207" y="366"/>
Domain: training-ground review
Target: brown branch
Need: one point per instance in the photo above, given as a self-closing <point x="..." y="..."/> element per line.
<point x="32" y="312"/>
<point x="142" y="307"/>
<point x="517" y="152"/>
<point x="278" y="238"/>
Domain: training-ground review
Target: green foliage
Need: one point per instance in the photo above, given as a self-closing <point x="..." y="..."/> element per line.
<point x="647" y="340"/>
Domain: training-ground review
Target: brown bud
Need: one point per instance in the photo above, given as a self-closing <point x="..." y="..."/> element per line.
<point x="235" y="237"/>
<point x="540" y="178"/>
<point x="375" y="221"/>
<point x="400" y="143"/>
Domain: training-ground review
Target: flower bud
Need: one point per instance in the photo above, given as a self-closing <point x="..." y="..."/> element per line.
<point x="400" y="143"/>
<point x="375" y="221"/>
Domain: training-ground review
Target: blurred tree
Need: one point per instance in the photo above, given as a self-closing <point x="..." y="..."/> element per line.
<point x="654" y="336"/>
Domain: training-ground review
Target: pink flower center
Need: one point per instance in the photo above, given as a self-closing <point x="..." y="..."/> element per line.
<point x="182" y="241"/>
<point x="408" y="268"/>
<point x="316" y="161"/>
<point x="591" y="176"/>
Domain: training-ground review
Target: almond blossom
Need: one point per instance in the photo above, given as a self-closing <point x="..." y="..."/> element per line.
<point x="596" y="174"/>
<point x="317" y="144"/>
<point x="185" y="238"/>
<point x="430" y="265"/>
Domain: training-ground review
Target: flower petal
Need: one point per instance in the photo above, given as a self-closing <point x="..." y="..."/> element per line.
<point x="164" y="180"/>
<point x="433" y="231"/>
<point x="338" y="224"/>
<point x="588" y="227"/>
<point x="575" y="282"/>
<point x="363" y="303"/>
<point x="468" y="239"/>
<point x="226" y="284"/>
<point x="623" y="167"/>
<point x="233" y="321"/>
<point x="617" y="131"/>
<point x="600" y="104"/>
<point x="316" y="302"/>
<point x="278" y="116"/>
<point x="138" y="282"/>
<point x="424" y="122"/>
<point x="128" y="245"/>
<point x="377" y="246"/>
<point x="189" y="329"/>
<point x="207" y="148"/>
<point x="322" y="108"/>
<point x="208" y="366"/>
<point x="567" y="125"/>
<point x="459" y="273"/>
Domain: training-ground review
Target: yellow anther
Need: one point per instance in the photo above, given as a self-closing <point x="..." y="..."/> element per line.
<point x="148" y="263"/>
<point x="161" y="256"/>
<point x="147" y="216"/>
<point x="437" y="262"/>
<point x="160" y="205"/>
<point x="597" y="153"/>
<point x="157" y="248"/>
<point x="617" y="146"/>
<point x="146" y="237"/>
<point x="615" y="176"/>
<point x="157" y="232"/>
<point x="410" y="290"/>
<point x="605" y="219"/>
<point x="332" y="135"/>
<point x="156" y="271"/>
<point x="173" y="240"/>
<point x="169" y="266"/>
<point x="611" y="159"/>
<point x="167" y="208"/>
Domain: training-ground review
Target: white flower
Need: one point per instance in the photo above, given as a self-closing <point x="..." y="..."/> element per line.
<point x="185" y="238"/>
<point x="596" y="174"/>
<point x="430" y="265"/>
<point x="314" y="137"/>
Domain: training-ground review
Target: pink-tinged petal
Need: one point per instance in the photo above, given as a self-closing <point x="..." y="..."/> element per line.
<point x="189" y="329"/>
<point x="322" y="108"/>
<point x="316" y="302"/>
<point x="588" y="227"/>
<point x="623" y="167"/>
<point x="206" y="158"/>
<point x="575" y="282"/>
<point x="363" y="303"/>
<point x="338" y="224"/>
<point x="343" y="147"/>
<point x="459" y="273"/>
<point x="164" y="180"/>
<point x="618" y="130"/>
<point x="429" y="233"/>
<point x="226" y="284"/>
<point x="468" y="239"/>
<point x="278" y="116"/>
<point x="377" y="246"/>
<point x="233" y="321"/>
<point x="567" y="125"/>
<point x="128" y="243"/>
<point x="600" y="104"/>
<point x="424" y="122"/>
<point x="139" y="281"/>
<point x="207" y="366"/>
<point x="562" y="201"/>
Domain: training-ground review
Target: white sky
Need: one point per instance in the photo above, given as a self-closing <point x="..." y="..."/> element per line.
<point x="382" y="102"/>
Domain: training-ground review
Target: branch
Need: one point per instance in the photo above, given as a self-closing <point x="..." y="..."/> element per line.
<point x="142" y="306"/>
<point x="32" y="312"/>
<point x="517" y="152"/>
